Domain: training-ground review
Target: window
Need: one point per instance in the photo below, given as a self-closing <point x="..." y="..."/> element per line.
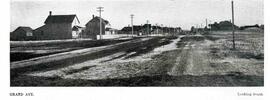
<point x="29" y="34"/>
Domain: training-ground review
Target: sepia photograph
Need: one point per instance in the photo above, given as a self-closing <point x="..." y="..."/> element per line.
<point x="136" y="43"/>
<point x="134" y="49"/>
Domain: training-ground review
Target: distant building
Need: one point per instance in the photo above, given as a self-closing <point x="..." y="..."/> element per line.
<point x="92" y="28"/>
<point x="22" y="33"/>
<point x="252" y="28"/>
<point x="126" y="30"/>
<point x="156" y="29"/>
<point x="169" y="30"/>
<point x="249" y="26"/>
<point x="111" y="31"/>
<point x="149" y="29"/>
<point x="223" y="25"/>
<point x="146" y="29"/>
<point x="58" y="27"/>
<point x="137" y="29"/>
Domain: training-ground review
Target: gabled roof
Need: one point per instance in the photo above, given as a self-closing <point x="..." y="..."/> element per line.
<point x="25" y="28"/>
<point x="110" y="29"/>
<point x="76" y="27"/>
<point x="60" y="19"/>
<point x="107" y="29"/>
<point x="126" y="28"/>
<point x="96" y="18"/>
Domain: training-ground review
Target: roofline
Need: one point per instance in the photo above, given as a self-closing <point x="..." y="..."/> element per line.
<point x="22" y="27"/>
<point x="103" y="20"/>
<point x="64" y="15"/>
<point x="77" y="18"/>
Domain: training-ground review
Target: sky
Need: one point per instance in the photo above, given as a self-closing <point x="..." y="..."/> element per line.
<point x="173" y="13"/>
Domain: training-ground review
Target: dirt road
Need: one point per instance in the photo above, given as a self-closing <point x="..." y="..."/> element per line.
<point x="186" y="61"/>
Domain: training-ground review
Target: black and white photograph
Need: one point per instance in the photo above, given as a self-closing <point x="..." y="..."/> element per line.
<point x="137" y="43"/>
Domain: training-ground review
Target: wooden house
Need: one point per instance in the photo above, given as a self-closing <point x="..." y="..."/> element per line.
<point x="92" y="27"/>
<point x="58" y="27"/>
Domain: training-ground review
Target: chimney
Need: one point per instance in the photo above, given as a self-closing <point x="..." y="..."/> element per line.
<point x="50" y="13"/>
<point x="93" y="16"/>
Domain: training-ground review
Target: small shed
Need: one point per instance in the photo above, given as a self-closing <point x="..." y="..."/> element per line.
<point x="22" y="33"/>
<point x="76" y="31"/>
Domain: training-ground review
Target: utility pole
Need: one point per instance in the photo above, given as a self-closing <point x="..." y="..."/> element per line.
<point x="197" y="27"/>
<point x="162" y="29"/>
<point x="131" y="16"/>
<point x="169" y="29"/>
<point x="100" y="21"/>
<point x="157" y="27"/>
<point x="206" y="24"/>
<point x="166" y="29"/>
<point x="233" y="25"/>
<point x="210" y="25"/>
<point x="174" y="30"/>
<point x="147" y="27"/>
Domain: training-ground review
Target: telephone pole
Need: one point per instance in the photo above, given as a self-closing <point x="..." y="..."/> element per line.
<point x="233" y="25"/>
<point x="206" y="24"/>
<point x="162" y="29"/>
<point x="131" y="16"/>
<point x="157" y="27"/>
<point x="100" y="22"/>
<point x="210" y="25"/>
<point x="147" y="27"/>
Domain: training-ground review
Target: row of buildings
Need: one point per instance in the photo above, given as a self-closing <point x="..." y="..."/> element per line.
<point x="60" y="27"/>
<point x="148" y="29"/>
<point x="227" y="26"/>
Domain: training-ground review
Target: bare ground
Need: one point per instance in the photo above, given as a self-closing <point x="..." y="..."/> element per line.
<point x="193" y="61"/>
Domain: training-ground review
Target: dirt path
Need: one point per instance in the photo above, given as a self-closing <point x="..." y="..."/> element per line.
<point x="192" y="60"/>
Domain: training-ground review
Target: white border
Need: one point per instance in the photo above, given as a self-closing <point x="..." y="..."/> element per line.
<point x="123" y="93"/>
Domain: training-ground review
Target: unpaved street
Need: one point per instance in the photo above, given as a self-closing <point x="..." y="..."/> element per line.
<point x="187" y="60"/>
